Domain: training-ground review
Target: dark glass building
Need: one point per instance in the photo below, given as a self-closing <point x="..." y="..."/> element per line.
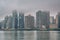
<point x="21" y="20"/>
<point x="15" y="19"/>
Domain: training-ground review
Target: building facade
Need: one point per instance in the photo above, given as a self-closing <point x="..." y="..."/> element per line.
<point x="29" y="22"/>
<point x="58" y="20"/>
<point x="21" y="20"/>
<point x="15" y="19"/>
<point x="5" y="22"/>
<point x="52" y="20"/>
<point x="42" y="19"/>
<point x="9" y="23"/>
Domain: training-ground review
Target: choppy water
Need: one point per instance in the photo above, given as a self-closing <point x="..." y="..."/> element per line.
<point x="29" y="35"/>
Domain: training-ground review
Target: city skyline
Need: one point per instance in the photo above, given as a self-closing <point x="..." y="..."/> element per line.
<point x="29" y="19"/>
<point x="29" y="6"/>
<point x="18" y="20"/>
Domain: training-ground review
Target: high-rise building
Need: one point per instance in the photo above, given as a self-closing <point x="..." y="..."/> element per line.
<point x="21" y="20"/>
<point x="5" y="22"/>
<point x="29" y="22"/>
<point x="52" y="20"/>
<point x="42" y="19"/>
<point x="58" y="20"/>
<point x="15" y="19"/>
<point x="9" y="23"/>
<point x="0" y="25"/>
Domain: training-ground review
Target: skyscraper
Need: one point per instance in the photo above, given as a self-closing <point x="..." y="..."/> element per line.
<point x="5" y="22"/>
<point x="21" y="20"/>
<point x="9" y="23"/>
<point x="29" y="22"/>
<point x="58" y="20"/>
<point x="42" y="19"/>
<point x="2" y="24"/>
<point x="15" y="19"/>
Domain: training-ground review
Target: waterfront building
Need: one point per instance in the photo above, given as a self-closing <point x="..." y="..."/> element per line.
<point x="15" y="19"/>
<point x="5" y="22"/>
<point x="29" y="22"/>
<point x="58" y="19"/>
<point x="53" y="26"/>
<point x="21" y="20"/>
<point x="9" y="23"/>
<point x="42" y="19"/>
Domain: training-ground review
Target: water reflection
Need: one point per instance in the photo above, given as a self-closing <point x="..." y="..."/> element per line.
<point x="53" y="35"/>
<point x="9" y="35"/>
<point x="20" y="35"/>
<point x="2" y="35"/>
<point x="42" y="35"/>
<point x="29" y="35"/>
<point x="58" y="36"/>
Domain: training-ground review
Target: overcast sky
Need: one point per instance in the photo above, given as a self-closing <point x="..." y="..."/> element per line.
<point x="29" y="6"/>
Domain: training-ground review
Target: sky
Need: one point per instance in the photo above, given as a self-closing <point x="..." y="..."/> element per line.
<point x="29" y="6"/>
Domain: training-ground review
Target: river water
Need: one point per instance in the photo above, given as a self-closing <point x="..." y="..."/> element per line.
<point x="29" y="35"/>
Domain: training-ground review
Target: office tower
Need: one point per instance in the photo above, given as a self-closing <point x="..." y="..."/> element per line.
<point x="52" y="20"/>
<point x="15" y="19"/>
<point x="21" y="20"/>
<point x="9" y="23"/>
<point x="58" y="20"/>
<point x="42" y="19"/>
<point x="0" y="25"/>
<point x="29" y="22"/>
<point x="5" y="22"/>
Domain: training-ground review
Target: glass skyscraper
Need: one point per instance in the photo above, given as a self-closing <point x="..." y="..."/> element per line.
<point x="21" y="20"/>
<point x="15" y="19"/>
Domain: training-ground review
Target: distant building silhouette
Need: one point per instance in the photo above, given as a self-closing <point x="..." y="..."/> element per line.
<point x="15" y="19"/>
<point x="53" y="24"/>
<point x="0" y="25"/>
<point x="21" y="20"/>
<point x="9" y="23"/>
<point x="58" y="20"/>
<point x="42" y="19"/>
<point x="29" y="22"/>
<point x="52" y="20"/>
<point x="5" y="22"/>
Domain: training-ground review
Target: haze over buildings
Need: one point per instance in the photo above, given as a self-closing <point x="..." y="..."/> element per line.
<point x="28" y="6"/>
<point x="16" y="12"/>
